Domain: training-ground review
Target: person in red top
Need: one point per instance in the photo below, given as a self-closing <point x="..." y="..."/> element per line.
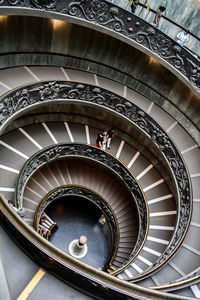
<point x="99" y="141"/>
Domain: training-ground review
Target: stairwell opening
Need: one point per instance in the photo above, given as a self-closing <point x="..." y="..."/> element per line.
<point x="76" y="216"/>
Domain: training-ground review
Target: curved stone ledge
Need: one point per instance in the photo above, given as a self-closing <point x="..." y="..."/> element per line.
<point x="120" y="23"/>
<point x="23" y="99"/>
<point x="63" y="151"/>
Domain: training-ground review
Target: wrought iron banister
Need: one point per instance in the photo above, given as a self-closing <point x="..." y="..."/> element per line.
<point x="97" y="200"/>
<point x="165" y="17"/>
<point x="86" y="278"/>
<point x="119" y="23"/>
<point x="30" y="96"/>
<point x="82" y="151"/>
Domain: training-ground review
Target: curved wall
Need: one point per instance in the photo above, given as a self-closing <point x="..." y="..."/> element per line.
<point x="47" y="36"/>
<point x="90" y="44"/>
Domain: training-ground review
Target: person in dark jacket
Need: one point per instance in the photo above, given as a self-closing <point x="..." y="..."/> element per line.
<point x="99" y="141"/>
<point x="133" y="5"/>
<point x="110" y="135"/>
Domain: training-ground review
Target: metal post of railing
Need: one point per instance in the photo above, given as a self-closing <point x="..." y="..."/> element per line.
<point x="142" y="8"/>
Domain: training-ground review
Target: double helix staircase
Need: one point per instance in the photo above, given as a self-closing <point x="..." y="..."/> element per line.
<point x="19" y="144"/>
<point x="42" y="58"/>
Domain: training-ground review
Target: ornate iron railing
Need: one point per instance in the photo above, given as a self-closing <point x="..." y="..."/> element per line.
<point x="71" y="92"/>
<point x="149" y="15"/>
<point x="119" y="22"/>
<point x="84" y="277"/>
<point x="80" y="191"/>
<point x="63" y="151"/>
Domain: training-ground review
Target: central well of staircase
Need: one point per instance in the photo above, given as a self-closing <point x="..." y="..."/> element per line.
<point x="75" y="216"/>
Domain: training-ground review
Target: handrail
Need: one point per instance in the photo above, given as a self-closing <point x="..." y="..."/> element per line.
<point x="72" y="92"/>
<point x="171" y="21"/>
<point x="121" y="24"/>
<point x="185" y="281"/>
<point x="77" y="150"/>
<point x="177" y="284"/>
<point x="191" y="128"/>
<point x="166" y="18"/>
<point x="86" y="278"/>
<point x="96" y="199"/>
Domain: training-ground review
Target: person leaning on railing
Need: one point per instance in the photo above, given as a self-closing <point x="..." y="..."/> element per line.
<point x="105" y="139"/>
<point x="182" y="37"/>
<point x="158" y="15"/>
<point x="133" y="4"/>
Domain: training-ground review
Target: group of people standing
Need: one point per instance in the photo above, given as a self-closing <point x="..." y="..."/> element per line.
<point x="43" y="231"/>
<point x="134" y="3"/>
<point x="103" y="140"/>
<point x="181" y="38"/>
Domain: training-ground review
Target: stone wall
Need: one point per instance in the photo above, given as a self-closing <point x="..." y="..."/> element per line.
<point x="70" y="45"/>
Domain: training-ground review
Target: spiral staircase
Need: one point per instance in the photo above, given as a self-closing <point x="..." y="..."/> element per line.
<point x="47" y="106"/>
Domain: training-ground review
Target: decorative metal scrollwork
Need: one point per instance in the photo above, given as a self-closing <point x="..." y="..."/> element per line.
<point x="45" y="4"/>
<point x="82" y="192"/>
<point x="23" y="98"/>
<point x="61" y="151"/>
<point x="105" y="14"/>
<point x="22" y="3"/>
<point x="65" y="191"/>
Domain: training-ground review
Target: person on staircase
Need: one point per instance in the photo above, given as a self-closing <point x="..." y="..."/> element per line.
<point x="158" y="15"/>
<point x="99" y="141"/>
<point x="133" y="5"/>
<point x="110" y="135"/>
<point x="44" y="231"/>
<point x="105" y="139"/>
<point x="44" y="221"/>
<point x="182" y="37"/>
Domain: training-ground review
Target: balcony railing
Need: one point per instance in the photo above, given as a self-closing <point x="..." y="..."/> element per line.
<point x="84" y="277"/>
<point x="119" y="23"/>
<point x="18" y="101"/>
<point x="167" y="25"/>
